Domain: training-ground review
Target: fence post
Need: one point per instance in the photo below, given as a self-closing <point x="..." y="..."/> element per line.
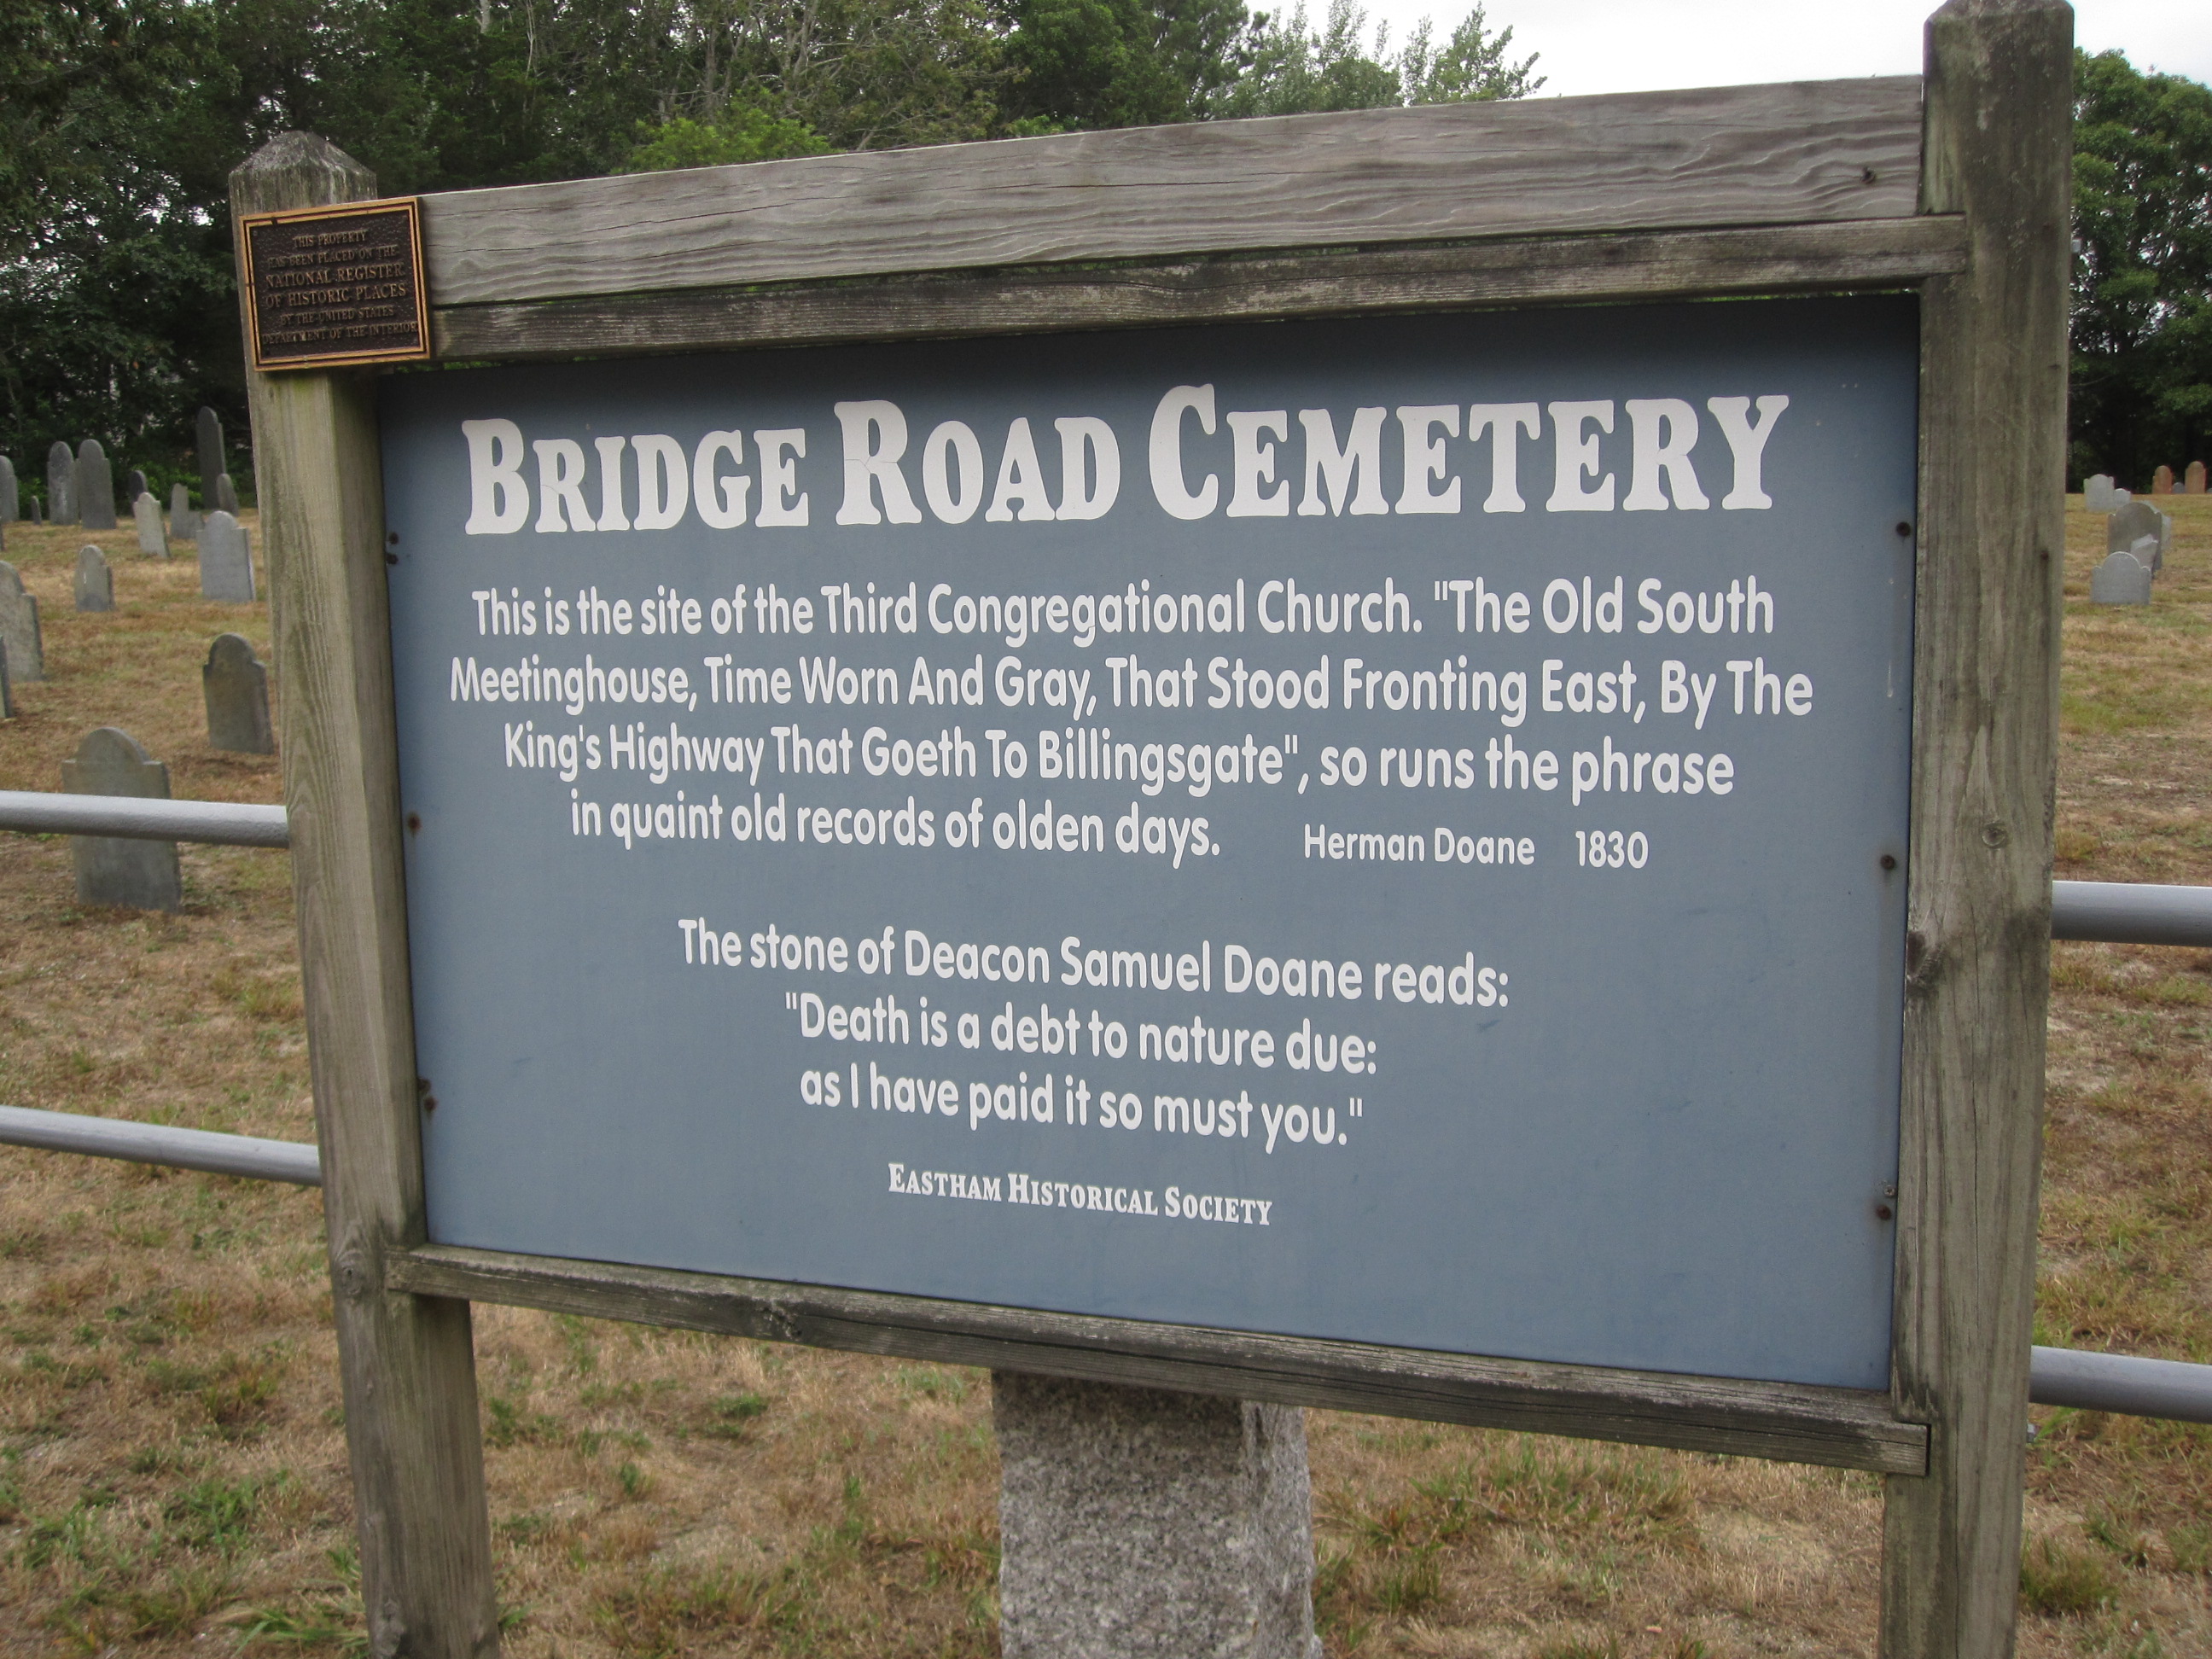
<point x="407" y="1366"/>
<point x="1985" y="684"/>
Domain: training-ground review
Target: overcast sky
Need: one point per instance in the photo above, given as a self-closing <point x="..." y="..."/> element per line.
<point x="1631" y="45"/>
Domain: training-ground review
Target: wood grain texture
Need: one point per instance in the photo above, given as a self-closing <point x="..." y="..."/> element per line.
<point x="407" y="1367"/>
<point x="1985" y="696"/>
<point x="1553" y="270"/>
<point x="1793" y="153"/>
<point x="1840" y="1427"/>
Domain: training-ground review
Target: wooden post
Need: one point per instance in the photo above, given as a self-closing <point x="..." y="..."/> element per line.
<point x="408" y="1369"/>
<point x="1985" y="685"/>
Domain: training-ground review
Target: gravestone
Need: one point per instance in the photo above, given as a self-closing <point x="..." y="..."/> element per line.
<point x="37" y="511"/>
<point x="226" y="495"/>
<point x="236" y="687"/>
<point x="61" y="484"/>
<point x="153" y="539"/>
<point x="2162" y="482"/>
<point x="7" y="692"/>
<point x="2131" y="524"/>
<point x="19" y="626"/>
<point x="95" y="582"/>
<point x="2097" y="493"/>
<point x="212" y="464"/>
<point x="95" y="487"/>
<point x="2193" y="481"/>
<point x="226" y="560"/>
<point x="134" y="484"/>
<point x="2122" y="579"/>
<point x="11" y="495"/>
<point x="1139" y="1521"/>
<point x="183" y="522"/>
<point x="111" y="869"/>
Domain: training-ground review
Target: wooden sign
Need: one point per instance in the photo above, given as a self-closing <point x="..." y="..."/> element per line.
<point x="333" y="286"/>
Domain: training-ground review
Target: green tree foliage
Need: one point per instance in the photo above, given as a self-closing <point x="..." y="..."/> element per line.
<point x="120" y="121"/>
<point x="2142" y="271"/>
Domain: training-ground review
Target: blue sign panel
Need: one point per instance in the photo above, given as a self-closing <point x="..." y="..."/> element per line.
<point x="1388" y="830"/>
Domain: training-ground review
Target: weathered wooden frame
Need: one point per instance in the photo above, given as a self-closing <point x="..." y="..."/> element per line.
<point x="1955" y="185"/>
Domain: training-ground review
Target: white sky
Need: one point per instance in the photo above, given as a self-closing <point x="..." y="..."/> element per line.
<point x="1633" y="46"/>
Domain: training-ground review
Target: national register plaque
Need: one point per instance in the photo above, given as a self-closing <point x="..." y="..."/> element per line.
<point x="335" y="286"/>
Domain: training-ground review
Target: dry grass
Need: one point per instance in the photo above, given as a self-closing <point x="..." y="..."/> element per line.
<point x="172" y="1466"/>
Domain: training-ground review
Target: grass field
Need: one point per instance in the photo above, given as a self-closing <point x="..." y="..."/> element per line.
<point x="171" y="1463"/>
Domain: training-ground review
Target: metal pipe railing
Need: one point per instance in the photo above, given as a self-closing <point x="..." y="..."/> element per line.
<point x="2131" y="913"/>
<point x="220" y="823"/>
<point x="157" y="1143"/>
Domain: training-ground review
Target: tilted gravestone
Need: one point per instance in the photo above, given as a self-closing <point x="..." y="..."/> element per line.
<point x="95" y="487"/>
<point x="11" y="494"/>
<point x="61" y="484"/>
<point x="2131" y="524"/>
<point x="226" y="495"/>
<point x="153" y="536"/>
<point x="2122" y="579"/>
<point x="236" y="687"/>
<point x="226" y="560"/>
<point x="184" y="521"/>
<point x="2097" y="493"/>
<point x="134" y="484"/>
<point x="110" y="869"/>
<point x="95" y="582"/>
<point x="19" y="626"/>
<point x="212" y="465"/>
<point x="2162" y="482"/>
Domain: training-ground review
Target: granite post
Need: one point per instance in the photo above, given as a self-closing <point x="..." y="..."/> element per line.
<point x="1138" y="1523"/>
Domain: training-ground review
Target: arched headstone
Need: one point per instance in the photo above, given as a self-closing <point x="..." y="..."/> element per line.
<point x="226" y="560"/>
<point x="11" y="494"/>
<point x="95" y="487"/>
<point x="2097" y="493"/>
<point x="2162" y="482"/>
<point x="110" y="869"/>
<point x="95" y="582"/>
<point x="184" y="521"/>
<point x="2129" y="524"/>
<point x="236" y="687"/>
<point x="2192" y="481"/>
<point x="2122" y="579"/>
<point x="61" y="484"/>
<point x="19" y="627"/>
<point x="153" y="536"/>
<point x="134" y="484"/>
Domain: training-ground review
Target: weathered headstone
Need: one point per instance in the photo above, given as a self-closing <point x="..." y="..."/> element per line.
<point x="2097" y="493"/>
<point x="95" y="582"/>
<point x="19" y="626"/>
<point x="183" y="522"/>
<point x="1136" y="1521"/>
<point x="134" y="484"/>
<point x="95" y="487"/>
<point x="37" y="511"/>
<point x="226" y="560"/>
<point x="2192" y="481"/>
<point x="11" y="494"/>
<point x="7" y="691"/>
<point x="61" y="484"/>
<point x="2122" y="578"/>
<point x="153" y="536"/>
<point x="236" y="687"/>
<point x="110" y="869"/>
<point x="212" y="464"/>
<point x="226" y="495"/>
<point x="2129" y="525"/>
<point x="2162" y="482"/>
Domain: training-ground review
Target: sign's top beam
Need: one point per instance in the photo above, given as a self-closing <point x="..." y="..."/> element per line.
<point x="1809" y="152"/>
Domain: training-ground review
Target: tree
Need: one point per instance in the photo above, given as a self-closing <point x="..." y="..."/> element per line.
<point x="1077" y="63"/>
<point x="2142" y="271"/>
<point x="1296" y="71"/>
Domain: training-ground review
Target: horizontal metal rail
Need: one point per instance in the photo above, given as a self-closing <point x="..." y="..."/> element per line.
<point x="157" y="1143"/>
<point x="2056" y="1376"/>
<point x="220" y="823"/>
<point x="2131" y="913"/>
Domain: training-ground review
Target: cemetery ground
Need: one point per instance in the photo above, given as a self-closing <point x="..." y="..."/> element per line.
<point x="172" y="1472"/>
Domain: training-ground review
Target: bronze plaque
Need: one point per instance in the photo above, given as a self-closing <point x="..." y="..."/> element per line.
<point x="336" y="285"/>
